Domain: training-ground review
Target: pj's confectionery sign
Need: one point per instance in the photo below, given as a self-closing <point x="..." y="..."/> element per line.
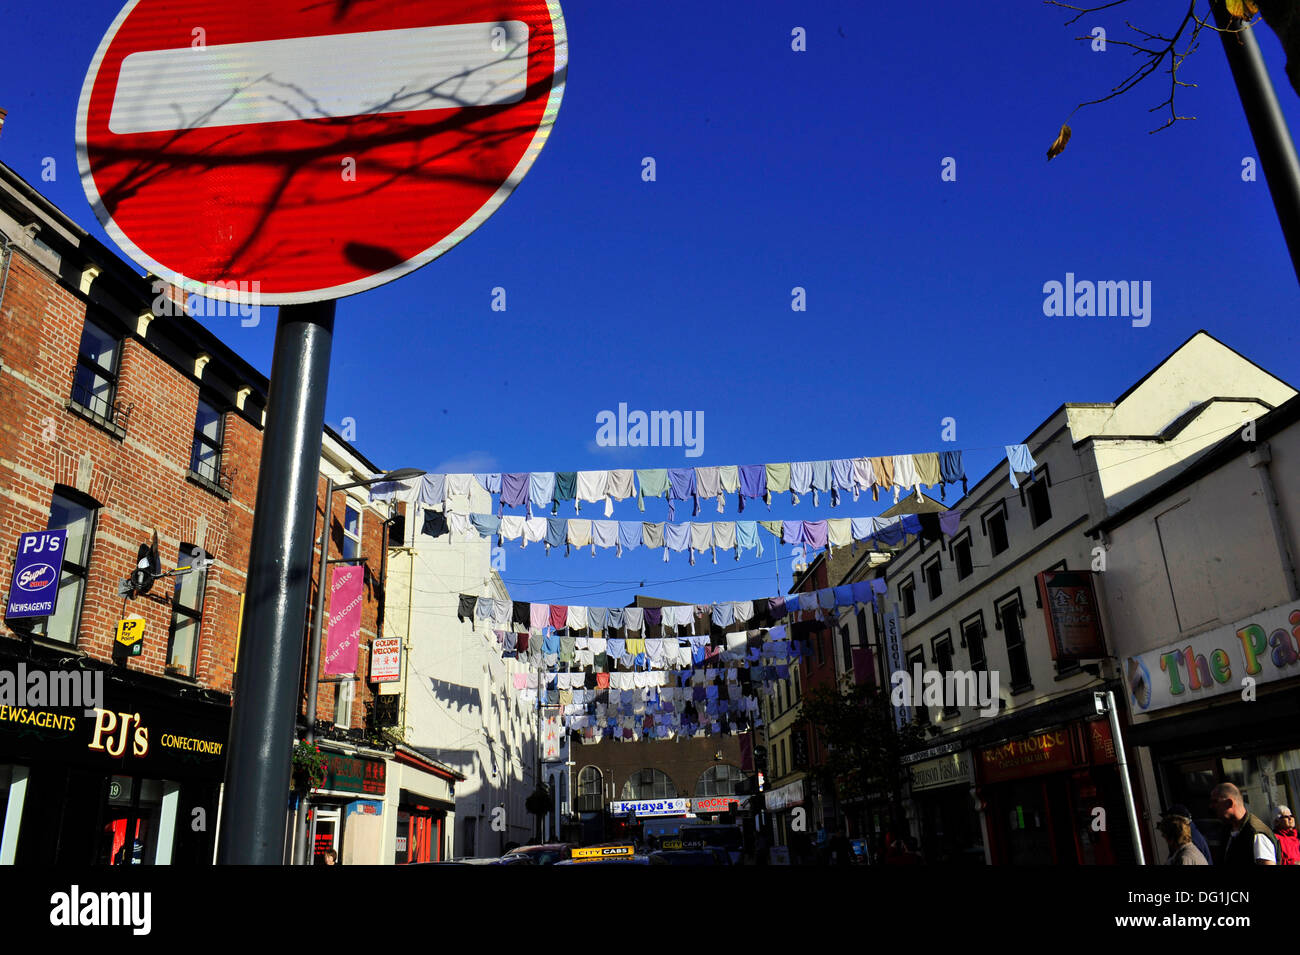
<point x="1260" y="649"/>
<point x="135" y="734"/>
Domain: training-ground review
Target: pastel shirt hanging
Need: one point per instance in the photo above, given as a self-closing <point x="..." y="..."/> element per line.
<point x="814" y="534"/>
<point x="800" y="479"/>
<point x="590" y="487"/>
<point x="709" y="484"/>
<point x="747" y="536"/>
<point x="839" y="532"/>
<point x="619" y="488"/>
<point x="629" y="535"/>
<point x="927" y="468"/>
<point x="904" y="473"/>
<point x="512" y="527"/>
<point x="681" y="487"/>
<point x="433" y="490"/>
<point x="557" y="531"/>
<point x="534" y="530"/>
<point x="652" y="482"/>
<point x="604" y="533"/>
<point x="863" y="476"/>
<point x="778" y="478"/>
<point x="753" y="482"/>
<point x="652" y="534"/>
<point x="541" y="489"/>
<point x="724" y="535"/>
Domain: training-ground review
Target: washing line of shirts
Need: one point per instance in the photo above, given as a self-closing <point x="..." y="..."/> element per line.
<point x="664" y="726"/>
<point x="547" y="490"/>
<point x="575" y="715"/>
<point x="537" y="618"/>
<point x="694" y="537"/>
<point x="599" y="655"/>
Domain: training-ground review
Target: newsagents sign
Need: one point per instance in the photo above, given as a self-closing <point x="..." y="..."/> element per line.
<point x="1264" y="647"/>
<point x="38" y="565"/>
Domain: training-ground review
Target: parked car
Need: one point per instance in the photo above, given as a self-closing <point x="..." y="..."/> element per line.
<point x="546" y="854"/>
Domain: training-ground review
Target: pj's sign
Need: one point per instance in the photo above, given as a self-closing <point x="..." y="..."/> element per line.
<point x="38" y="565"/>
<point x="160" y="738"/>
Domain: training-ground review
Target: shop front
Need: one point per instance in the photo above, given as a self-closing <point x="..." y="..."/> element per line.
<point x="1054" y="798"/>
<point x="1221" y="707"/>
<point x="133" y="780"/>
<point x="943" y="789"/>
<point x="421" y="807"/>
<point x="788" y="831"/>
<point x="347" y="809"/>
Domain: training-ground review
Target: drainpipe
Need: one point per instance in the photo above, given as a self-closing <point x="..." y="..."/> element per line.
<point x="1259" y="459"/>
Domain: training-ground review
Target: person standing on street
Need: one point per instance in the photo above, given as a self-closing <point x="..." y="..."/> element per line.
<point x="1177" y="830"/>
<point x="1250" y="841"/>
<point x="1287" y="836"/>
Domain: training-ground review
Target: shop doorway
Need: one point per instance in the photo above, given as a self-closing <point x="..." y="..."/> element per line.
<point x="128" y="832"/>
<point x="325" y="833"/>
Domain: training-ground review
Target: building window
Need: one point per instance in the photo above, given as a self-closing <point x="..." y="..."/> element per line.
<point x="930" y="574"/>
<point x="942" y="650"/>
<point x="76" y="512"/>
<point x="590" y="782"/>
<point x="719" y="780"/>
<point x="794" y="684"/>
<point x="846" y="647"/>
<point x="907" y="596"/>
<point x="915" y="660"/>
<point x="1017" y="655"/>
<point x="94" y="385"/>
<point x="961" y="556"/>
<point x="205" y="458"/>
<point x="821" y="657"/>
<point x="972" y="635"/>
<point x="1040" y="508"/>
<point x="995" y="527"/>
<point x="351" y="531"/>
<point x="649" y="784"/>
<point x="187" y="611"/>
<point x="343" y="692"/>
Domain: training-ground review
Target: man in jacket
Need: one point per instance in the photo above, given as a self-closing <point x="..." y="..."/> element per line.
<point x="1250" y="841"/>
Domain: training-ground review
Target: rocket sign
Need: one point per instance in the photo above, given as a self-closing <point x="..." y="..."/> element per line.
<point x="280" y="152"/>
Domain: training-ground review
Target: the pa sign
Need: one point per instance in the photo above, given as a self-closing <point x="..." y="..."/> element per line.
<point x="38" y="565"/>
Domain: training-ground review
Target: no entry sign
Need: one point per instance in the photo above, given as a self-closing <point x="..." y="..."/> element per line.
<point x="284" y="151"/>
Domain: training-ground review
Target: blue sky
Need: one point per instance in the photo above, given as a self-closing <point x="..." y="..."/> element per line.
<point x="776" y="169"/>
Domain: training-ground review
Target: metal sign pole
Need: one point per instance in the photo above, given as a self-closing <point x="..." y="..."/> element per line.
<point x="279" y="577"/>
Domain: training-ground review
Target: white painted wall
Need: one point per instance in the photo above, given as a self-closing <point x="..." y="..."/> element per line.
<point x="459" y="704"/>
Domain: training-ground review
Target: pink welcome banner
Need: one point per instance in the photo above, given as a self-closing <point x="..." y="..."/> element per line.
<point x="344" y="638"/>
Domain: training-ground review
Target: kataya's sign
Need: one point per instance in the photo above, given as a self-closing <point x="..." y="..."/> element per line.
<point x="276" y="152"/>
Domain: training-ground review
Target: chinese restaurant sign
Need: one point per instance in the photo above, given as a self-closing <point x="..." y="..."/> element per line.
<point x="1070" y="608"/>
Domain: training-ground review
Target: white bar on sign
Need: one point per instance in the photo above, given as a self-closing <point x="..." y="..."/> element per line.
<point x="348" y="74"/>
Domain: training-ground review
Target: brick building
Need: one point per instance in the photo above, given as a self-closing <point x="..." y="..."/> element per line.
<point x="124" y="417"/>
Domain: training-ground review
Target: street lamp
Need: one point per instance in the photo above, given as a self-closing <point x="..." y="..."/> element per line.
<point x="300" y="849"/>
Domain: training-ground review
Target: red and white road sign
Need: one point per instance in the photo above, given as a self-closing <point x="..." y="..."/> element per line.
<point x="315" y="149"/>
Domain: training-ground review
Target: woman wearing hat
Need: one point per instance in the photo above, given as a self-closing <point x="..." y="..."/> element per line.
<point x="1177" y="830"/>
<point x="1288" y="837"/>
